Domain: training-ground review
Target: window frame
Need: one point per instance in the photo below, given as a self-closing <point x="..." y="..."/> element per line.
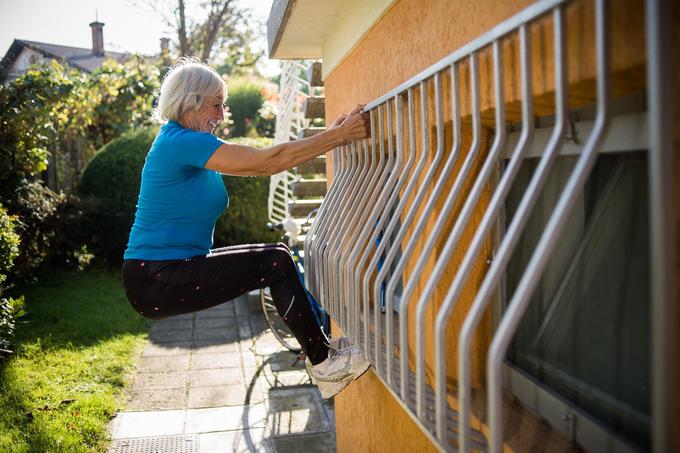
<point x="628" y="132"/>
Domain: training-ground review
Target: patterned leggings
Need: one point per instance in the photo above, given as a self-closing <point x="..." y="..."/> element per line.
<point x="161" y="288"/>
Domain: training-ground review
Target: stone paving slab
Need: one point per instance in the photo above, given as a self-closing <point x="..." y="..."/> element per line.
<point x="241" y="441"/>
<point x="176" y="348"/>
<point x="216" y="360"/>
<point x="160" y="380"/>
<point x="158" y="399"/>
<point x="223" y="395"/>
<point x="221" y="375"/>
<point x="295" y="411"/>
<point x="165" y="363"/>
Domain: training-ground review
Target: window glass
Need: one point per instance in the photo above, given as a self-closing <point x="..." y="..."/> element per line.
<point x="586" y="334"/>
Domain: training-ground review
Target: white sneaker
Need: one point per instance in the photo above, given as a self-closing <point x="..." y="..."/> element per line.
<point x="344" y="364"/>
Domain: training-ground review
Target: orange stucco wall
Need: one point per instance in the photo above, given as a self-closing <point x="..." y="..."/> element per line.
<point x="412" y="35"/>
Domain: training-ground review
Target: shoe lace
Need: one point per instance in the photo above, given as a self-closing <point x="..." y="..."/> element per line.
<point x="340" y="346"/>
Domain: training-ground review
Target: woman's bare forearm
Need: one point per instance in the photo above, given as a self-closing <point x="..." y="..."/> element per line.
<point x="288" y="155"/>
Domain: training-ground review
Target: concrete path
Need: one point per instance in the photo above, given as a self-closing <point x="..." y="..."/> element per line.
<point x="218" y="381"/>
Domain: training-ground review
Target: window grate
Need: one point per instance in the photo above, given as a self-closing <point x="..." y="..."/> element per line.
<point x="406" y="197"/>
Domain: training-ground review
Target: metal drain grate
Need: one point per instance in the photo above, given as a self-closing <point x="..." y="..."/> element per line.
<point x="160" y="444"/>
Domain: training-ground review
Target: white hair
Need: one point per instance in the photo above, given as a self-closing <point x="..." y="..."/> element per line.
<point x="185" y="86"/>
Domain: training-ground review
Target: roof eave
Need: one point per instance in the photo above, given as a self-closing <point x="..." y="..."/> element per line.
<point x="276" y="24"/>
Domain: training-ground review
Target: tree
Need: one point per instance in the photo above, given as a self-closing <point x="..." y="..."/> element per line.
<point x="213" y="30"/>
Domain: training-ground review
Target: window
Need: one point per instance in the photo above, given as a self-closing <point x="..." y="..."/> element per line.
<point x="586" y="334"/>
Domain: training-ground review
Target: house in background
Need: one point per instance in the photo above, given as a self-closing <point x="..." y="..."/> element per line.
<point x="588" y="357"/>
<point x="23" y="53"/>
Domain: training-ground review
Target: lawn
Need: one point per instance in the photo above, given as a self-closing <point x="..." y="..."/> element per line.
<point x="74" y="351"/>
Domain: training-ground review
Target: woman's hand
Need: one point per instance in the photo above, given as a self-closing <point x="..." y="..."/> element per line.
<point x="356" y="125"/>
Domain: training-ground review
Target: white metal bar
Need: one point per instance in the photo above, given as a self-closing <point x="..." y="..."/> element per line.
<point x="409" y="179"/>
<point x="512" y="235"/>
<point x="550" y="236"/>
<point x="488" y="221"/>
<point x="658" y="30"/>
<point x="418" y="231"/>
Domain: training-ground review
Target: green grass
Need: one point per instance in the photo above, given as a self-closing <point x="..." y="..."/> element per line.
<point x="73" y="353"/>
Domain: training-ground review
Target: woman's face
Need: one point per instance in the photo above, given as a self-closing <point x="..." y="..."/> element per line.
<point x="206" y="118"/>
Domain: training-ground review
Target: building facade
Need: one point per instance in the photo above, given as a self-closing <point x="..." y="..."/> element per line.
<point x="504" y="247"/>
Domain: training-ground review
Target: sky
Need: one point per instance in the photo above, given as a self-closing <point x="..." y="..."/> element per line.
<point x="129" y="27"/>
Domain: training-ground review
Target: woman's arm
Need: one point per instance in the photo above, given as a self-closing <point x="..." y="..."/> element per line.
<point x="239" y="160"/>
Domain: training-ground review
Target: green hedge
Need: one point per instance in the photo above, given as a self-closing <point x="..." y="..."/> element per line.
<point x="244" y="100"/>
<point x="110" y="186"/>
<point x="245" y="221"/>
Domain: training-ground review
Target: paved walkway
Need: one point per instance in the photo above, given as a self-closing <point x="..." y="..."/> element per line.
<point x="218" y="381"/>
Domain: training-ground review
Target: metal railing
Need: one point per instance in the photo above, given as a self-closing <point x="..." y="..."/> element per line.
<point x="290" y="121"/>
<point x="393" y="202"/>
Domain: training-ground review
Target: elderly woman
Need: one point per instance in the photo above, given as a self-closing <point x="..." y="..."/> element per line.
<point x="169" y="268"/>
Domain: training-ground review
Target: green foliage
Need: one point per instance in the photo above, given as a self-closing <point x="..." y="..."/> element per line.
<point x="10" y="310"/>
<point x="33" y="113"/>
<point x="245" y="220"/>
<point x="56" y="115"/>
<point x="126" y="97"/>
<point x="9" y="244"/>
<point x="37" y="209"/>
<point x="244" y="99"/>
<point x="110" y="186"/>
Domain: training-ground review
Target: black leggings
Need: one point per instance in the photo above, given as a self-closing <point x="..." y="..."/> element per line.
<point x="158" y="289"/>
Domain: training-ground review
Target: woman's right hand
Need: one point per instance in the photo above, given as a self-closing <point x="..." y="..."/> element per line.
<point x="356" y="125"/>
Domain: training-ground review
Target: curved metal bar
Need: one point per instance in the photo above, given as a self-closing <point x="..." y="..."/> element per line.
<point x="550" y="236"/>
<point x="333" y="232"/>
<point x="345" y="233"/>
<point x="379" y="229"/>
<point x="340" y="226"/>
<point x="420" y="226"/>
<point x="320" y="224"/>
<point x="366" y="185"/>
<point x="487" y="222"/>
<point x="464" y="216"/>
<point x="410" y="180"/>
<point x="374" y="188"/>
<point x="332" y="214"/>
<point x="399" y="104"/>
<point x="512" y="235"/>
<point x="322" y="218"/>
<point x="382" y="190"/>
<point x="368" y="237"/>
<point x="310" y="270"/>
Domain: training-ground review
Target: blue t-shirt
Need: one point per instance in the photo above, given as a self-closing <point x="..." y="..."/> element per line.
<point x="179" y="199"/>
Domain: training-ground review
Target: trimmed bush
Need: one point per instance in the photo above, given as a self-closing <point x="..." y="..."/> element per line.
<point x="110" y="186"/>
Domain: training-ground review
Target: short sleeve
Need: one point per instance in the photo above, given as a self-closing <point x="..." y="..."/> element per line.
<point x="194" y="148"/>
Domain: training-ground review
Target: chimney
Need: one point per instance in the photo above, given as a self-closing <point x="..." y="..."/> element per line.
<point x="165" y="46"/>
<point x="97" y="38"/>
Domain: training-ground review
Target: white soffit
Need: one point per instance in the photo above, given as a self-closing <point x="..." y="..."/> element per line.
<point x="327" y="29"/>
